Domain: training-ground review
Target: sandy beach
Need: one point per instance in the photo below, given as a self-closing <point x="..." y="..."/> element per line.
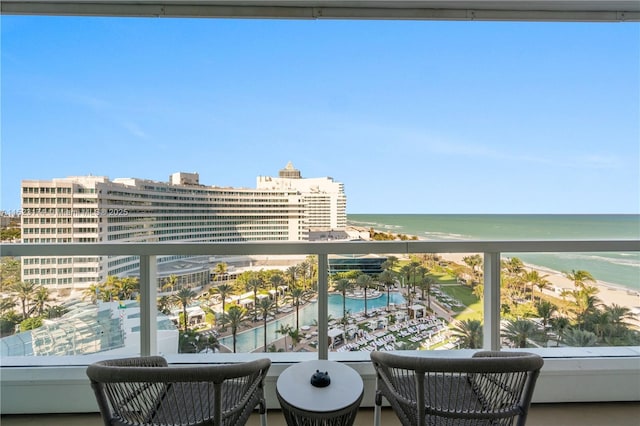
<point x="608" y="294"/>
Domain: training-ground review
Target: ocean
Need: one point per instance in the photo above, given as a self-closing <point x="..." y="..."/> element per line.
<point x="617" y="269"/>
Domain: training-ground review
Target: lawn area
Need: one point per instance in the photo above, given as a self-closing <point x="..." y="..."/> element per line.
<point x="443" y="278"/>
<point x="464" y="294"/>
<point x="460" y="292"/>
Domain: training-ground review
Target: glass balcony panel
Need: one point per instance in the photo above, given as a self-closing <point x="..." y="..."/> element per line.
<point x="52" y="306"/>
<point x="254" y="304"/>
<point x="560" y="300"/>
<point x="412" y="302"/>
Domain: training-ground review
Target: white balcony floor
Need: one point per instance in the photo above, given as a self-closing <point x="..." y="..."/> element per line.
<point x="583" y="414"/>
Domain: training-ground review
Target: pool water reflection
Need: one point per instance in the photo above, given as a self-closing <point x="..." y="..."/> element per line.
<point x="249" y="340"/>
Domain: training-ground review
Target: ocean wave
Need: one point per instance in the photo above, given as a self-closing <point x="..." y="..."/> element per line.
<point x="374" y="225"/>
<point x="634" y="263"/>
<point x="360" y="222"/>
<point x="435" y="235"/>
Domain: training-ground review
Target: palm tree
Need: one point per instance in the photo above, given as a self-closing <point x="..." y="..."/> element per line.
<point x="170" y="283"/>
<point x="469" y="332"/>
<point x="297" y="293"/>
<point x="478" y="291"/>
<point x="364" y="281"/>
<point x="545" y="311"/>
<point x="207" y="342"/>
<point x="425" y="284"/>
<point x="40" y="300"/>
<point x="304" y="269"/>
<point x="224" y="290"/>
<point x="209" y="315"/>
<point x="296" y="336"/>
<point x="600" y="323"/>
<point x="580" y="278"/>
<point x="519" y="331"/>
<point x="618" y="314"/>
<point x="123" y="287"/>
<point x="55" y="311"/>
<point x="24" y="291"/>
<point x="130" y="285"/>
<point x="473" y="261"/>
<point x="388" y="280"/>
<point x="535" y="279"/>
<point x="265" y="308"/>
<point x="406" y="272"/>
<point x="514" y="266"/>
<point x="165" y="303"/>
<point x="276" y="281"/>
<point x="584" y="303"/>
<point x="112" y="285"/>
<point x="580" y="338"/>
<point x="235" y="316"/>
<point x="285" y="330"/>
<point x="254" y="284"/>
<point x="221" y="270"/>
<point x="542" y="284"/>
<point x="390" y="263"/>
<point x="413" y="269"/>
<point x="421" y="273"/>
<point x="107" y="293"/>
<point x="343" y="285"/>
<point x="6" y="304"/>
<point x="9" y="272"/>
<point x="291" y="275"/>
<point x="559" y="325"/>
<point x="184" y="297"/>
<point x="92" y="293"/>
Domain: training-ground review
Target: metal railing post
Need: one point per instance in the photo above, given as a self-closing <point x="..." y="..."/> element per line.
<point x="148" y="305"/>
<point x="491" y="329"/>
<point x="323" y="306"/>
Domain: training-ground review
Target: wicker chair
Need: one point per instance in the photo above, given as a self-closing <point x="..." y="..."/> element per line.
<point x="146" y="391"/>
<point x="491" y="388"/>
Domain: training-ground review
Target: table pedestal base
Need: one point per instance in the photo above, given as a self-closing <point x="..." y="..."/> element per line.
<point x="296" y="417"/>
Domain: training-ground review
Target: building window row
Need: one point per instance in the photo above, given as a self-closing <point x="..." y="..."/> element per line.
<point x="46" y="200"/>
<point x="45" y="190"/>
<point x="122" y="260"/>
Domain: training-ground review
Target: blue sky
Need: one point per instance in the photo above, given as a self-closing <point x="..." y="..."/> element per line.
<point x="413" y="117"/>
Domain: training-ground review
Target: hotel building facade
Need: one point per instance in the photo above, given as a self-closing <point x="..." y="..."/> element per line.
<point x="324" y="199"/>
<point x="90" y="209"/>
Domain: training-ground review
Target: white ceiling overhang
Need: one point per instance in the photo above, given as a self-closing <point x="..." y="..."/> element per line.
<point x="454" y="10"/>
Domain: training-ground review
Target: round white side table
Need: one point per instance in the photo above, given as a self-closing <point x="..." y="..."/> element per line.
<point x="333" y="405"/>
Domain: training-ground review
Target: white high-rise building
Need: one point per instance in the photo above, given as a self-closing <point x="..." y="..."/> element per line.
<point x="325" y="200"/>
<point x="95" y="209"/>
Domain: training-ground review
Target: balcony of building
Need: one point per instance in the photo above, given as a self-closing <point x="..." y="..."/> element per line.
<point x="573" y="382"/>
<point x="586" y="386"/>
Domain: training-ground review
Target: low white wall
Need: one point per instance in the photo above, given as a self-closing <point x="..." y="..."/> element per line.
<point x="66" y="389"/>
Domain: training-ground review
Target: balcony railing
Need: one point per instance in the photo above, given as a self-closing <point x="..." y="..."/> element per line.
<point x="148" y="253"/>
<point x="591" y="364"/>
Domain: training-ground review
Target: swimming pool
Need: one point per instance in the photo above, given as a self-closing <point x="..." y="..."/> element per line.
<point x="249" y="340"/>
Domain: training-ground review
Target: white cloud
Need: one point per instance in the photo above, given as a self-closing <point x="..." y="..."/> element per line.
<point x="135" y="130"/>
<point x="596" y="161"/>
<point x="88" y="100"/>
